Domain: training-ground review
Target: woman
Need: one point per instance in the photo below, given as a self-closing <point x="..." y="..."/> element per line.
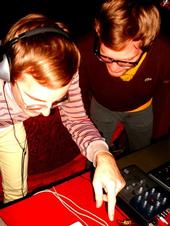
<point x="41" y="72"/>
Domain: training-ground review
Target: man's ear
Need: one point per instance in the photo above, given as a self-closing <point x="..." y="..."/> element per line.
<point x="137" y="44"/>
<point x="97" y="27"/>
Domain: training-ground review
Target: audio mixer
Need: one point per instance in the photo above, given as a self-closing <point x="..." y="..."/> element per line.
<point x="144" y="199"/>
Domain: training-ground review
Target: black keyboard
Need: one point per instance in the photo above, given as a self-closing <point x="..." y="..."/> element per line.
<point x="161" y="175"/>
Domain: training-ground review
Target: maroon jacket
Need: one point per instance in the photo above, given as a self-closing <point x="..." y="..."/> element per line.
<point x="151" y="80"/>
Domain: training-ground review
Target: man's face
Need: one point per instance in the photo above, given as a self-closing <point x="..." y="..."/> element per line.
<point x="131" y="53"/>
<point x="35" y="99"/>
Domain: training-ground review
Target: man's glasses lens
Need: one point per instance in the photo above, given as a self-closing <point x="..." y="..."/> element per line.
<point x="108" y="60"/>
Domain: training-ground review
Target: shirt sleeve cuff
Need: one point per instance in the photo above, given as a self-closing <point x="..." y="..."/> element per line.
<point x="94" y="148"/>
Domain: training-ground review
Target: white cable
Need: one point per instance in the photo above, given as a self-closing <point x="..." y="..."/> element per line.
<point x="95" y="216"/>
<point x="60" y="197"/>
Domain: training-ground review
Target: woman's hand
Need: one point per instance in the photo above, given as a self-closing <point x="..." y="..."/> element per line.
<point x="107" y="181"/>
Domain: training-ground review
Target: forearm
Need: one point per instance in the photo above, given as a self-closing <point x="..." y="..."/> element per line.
<point x="86" y="137"/>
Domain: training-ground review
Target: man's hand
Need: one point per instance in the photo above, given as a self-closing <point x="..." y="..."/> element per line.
<point x="107" y="182"/>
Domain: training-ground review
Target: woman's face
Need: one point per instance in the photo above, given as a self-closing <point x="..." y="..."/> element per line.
<point x="35" y="99"/>
<point x="131" y="53"/>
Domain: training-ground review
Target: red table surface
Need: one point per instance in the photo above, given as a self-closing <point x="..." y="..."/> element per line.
<point x="44" y="208"/>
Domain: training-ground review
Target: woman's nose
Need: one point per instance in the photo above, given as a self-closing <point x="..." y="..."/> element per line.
<point x="46" y="112"/>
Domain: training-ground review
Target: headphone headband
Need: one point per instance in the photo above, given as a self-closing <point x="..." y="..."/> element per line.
<point x="4" y="56"/>
<point x="38" y="31"/>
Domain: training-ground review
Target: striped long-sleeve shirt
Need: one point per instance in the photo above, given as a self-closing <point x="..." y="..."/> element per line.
<point x="72" y="114"/>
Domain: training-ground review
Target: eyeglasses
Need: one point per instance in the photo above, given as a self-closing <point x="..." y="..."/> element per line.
<point x="37" y="107"/>
<point x="109" y="60"/>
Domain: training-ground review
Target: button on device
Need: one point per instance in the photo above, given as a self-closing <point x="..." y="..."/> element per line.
<point x="126" y="171"/>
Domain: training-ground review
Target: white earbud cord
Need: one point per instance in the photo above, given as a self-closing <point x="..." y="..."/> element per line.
<point x="87" y="213"/>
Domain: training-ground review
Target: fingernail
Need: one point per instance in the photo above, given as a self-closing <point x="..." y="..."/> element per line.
<point x="111" y="218"/>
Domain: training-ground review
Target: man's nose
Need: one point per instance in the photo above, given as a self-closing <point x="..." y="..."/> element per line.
<point x="114" y="66"/>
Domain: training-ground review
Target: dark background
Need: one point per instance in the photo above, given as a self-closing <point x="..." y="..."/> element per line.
<point x="77" y="14"/>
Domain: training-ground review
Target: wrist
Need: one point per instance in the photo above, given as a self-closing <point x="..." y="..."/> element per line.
<point x="102" y="156"/>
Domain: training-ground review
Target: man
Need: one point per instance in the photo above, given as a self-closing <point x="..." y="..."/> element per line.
<point x="123" y="65"/>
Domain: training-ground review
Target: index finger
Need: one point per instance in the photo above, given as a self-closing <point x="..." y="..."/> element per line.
<point x="111" y="197"/>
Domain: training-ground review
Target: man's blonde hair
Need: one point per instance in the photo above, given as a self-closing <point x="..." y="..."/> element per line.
<point x="119" y="21"/>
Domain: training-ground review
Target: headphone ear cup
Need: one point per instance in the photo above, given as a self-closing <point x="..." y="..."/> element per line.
<point x="4" y="68"/>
